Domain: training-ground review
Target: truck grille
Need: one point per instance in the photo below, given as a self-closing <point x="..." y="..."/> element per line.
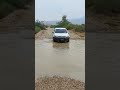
<point x="61" y="36"/>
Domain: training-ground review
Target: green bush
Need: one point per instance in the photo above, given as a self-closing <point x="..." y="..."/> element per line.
<point x="79" y="28"/>
<point x="52" y="26"/>
<point x="40" y="24"/>
<point x="37" y="29"/>
<point x="70" y="26"/>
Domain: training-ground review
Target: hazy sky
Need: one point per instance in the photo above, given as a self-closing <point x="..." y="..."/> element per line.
<point x="47" y="10"/>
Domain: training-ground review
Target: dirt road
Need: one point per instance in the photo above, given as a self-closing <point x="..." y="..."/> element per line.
<point x="62" y="63"/>
<point x="63" y="58"/>
<point x="47" y="34"/>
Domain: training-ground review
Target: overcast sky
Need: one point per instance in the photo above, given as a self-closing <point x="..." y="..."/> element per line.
<point x="48" y="10"/>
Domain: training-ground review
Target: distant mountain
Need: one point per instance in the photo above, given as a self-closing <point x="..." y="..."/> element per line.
<point x="74" y="21"/>
<point x="78" y="21"/>
<point x="50" y="22"/>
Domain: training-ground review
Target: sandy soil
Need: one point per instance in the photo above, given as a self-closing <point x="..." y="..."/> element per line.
<point x="48" y="34"/>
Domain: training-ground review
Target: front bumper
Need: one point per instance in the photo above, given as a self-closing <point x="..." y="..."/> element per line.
<point x="60" y="38"/>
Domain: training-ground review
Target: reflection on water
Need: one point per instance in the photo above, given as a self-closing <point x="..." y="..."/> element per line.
<point x="53" y="58"/>
<point x="61" y="45"/>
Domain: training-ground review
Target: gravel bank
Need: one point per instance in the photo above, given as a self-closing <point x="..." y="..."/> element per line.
<point x="58" y="83"/>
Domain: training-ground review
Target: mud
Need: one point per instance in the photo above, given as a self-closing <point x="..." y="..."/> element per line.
<point x="63" y="59"/>
<point x="59" y="66"/>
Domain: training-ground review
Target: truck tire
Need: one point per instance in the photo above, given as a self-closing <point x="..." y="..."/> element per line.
<point x="53" y="40"/>
<point x="68" y="40"/>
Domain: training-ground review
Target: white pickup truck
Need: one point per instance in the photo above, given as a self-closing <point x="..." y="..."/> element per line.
<point x="61" y="34"/>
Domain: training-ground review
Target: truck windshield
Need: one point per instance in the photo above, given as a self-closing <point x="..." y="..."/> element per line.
<point x="60" y="31"/>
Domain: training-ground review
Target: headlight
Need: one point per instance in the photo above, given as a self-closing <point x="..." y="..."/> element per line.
<point x="54" y="36"/>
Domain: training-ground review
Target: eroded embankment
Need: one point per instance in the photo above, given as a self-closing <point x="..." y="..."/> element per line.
<point x="48" y="34"/>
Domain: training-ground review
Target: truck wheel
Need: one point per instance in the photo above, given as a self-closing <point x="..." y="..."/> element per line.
<point x="68" y="40"/>
<point x="53" y="40"/>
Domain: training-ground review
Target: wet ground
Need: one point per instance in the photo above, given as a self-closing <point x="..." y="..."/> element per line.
<point x="63" y="59"/>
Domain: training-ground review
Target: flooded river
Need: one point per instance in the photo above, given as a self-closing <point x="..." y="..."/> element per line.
<point x="64" y="59"/>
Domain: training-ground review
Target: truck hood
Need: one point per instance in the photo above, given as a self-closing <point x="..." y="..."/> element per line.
<point x="61" y="34"/>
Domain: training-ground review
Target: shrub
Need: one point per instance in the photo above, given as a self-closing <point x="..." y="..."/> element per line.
<point x="52" y="26"/>
<point x="40" y="24"/>
<point x="68" y="25"/>
<point x="37" y="29"/>
<point x="79" y="28"/>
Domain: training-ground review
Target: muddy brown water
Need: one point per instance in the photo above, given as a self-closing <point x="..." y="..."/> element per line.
<point x="63" y="59"/>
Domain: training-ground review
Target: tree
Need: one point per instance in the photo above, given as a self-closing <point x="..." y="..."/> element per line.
<point x="64" y="22"/>
<point x="64" y="18"/>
